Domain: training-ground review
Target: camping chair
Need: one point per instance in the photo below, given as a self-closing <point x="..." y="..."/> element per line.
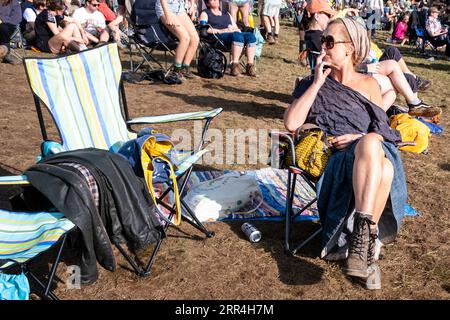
<point x="149" y="35"/>
<point x="85" y="96"/>
<point x="294" y="172"/>
<point x="25" y="235"/>
<point x="17" y="42"/>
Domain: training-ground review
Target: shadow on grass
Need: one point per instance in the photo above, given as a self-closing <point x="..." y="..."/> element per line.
<point x="270" y="95"/>
<point x="293" y="270"/>
<point x="246" y="108"/>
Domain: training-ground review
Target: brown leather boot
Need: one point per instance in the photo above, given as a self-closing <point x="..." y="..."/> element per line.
<point x="356" y="264"/>
<point x="236" y="69"/>
<point x="250" y="70"/>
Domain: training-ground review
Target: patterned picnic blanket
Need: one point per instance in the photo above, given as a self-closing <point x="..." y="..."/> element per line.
<point x="272" y="183"/>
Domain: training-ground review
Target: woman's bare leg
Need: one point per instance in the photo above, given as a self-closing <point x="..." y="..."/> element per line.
<point x="194" y="40"/>
<point x="388" y="93"/>
<point x="372" y="176"/>
<point x="245" y="12"/>
<point x="392" y="69"/>
<point x="183" y="38"/>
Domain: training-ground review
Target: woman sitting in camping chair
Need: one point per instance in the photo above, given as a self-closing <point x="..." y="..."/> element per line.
<point x="365" y="171"/>
<point x="225" y="29"/>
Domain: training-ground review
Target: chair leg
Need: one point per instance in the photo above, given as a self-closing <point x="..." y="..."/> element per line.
<point x="290" y="191"/>
<point x="289" y="218"/>
<point x="46" y="287"/>
<point x="197" y="224"/>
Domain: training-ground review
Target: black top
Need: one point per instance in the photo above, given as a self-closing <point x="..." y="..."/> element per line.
<point x="43" y="32"/>
<point x="312" y="40"/>
<point x="218" y="22"/>
<point x="340" y="110"/>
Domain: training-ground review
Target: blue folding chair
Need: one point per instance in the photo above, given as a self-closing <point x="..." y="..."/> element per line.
<point x="85" y="96"/>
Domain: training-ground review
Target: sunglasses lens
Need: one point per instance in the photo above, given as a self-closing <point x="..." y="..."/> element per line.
<point x="328" y="41"/>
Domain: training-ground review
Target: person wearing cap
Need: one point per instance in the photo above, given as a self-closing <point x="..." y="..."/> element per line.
<point x="439" y="36"/>
<point x="319" y="14"/>
<point x="362" y="191"/>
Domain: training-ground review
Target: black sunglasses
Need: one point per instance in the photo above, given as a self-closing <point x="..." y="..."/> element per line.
<point x="94" y="4"/>
<point x="329" y="42"/>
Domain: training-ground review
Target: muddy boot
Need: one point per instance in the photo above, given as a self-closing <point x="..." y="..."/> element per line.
<point x="356" y="264"/>
<point x="236" y="70"/>
<point x="250" y="70"/>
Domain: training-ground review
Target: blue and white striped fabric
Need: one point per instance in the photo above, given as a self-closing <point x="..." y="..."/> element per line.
<point x="82" y="93"/>
<point x="23" y="235"/>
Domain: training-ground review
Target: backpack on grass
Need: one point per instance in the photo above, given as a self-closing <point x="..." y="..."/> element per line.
<point x="212" y="63"/>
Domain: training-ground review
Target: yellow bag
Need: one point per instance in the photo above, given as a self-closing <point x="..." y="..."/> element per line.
<point x="411" y="129"/>
<point x="312" y="150"/>
<point x="158" y="168"/>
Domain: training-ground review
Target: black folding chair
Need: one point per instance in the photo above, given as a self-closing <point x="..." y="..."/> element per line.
<point x="149" y="35"/>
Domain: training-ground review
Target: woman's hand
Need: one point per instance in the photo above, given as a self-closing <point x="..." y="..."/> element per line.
<point x="373" y="67"/>
<point x="321" y="74"/>
<point x="341" y="142"/>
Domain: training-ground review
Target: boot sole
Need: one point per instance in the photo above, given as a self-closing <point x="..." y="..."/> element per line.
<point x="356" y="273"/>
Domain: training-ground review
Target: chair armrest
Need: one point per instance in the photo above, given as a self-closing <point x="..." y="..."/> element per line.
<point x="287" y="137"/>
<point x="14" y="180"/>
<point x="199" y="115"/>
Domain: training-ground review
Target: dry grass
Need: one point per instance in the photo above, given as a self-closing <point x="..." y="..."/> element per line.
<point x="227" y="266"/>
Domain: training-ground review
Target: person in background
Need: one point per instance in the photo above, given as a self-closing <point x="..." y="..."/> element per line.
<point x="113" y="22"/>
<point x="242" y="6"/>
<point x="319" y="14"/>
<point x="271" y="19"/>
<point x="439" y="36"/>
<point x="51" y="37"/>
<point x="93" y="22"/>
<point x="374" y="11"/>
<point x="401" y="29"/>
<point x="30" y="10"/>
<point x="172" y="14"/>
<point x="224" y="27"/>
<point x="10" y="18"/>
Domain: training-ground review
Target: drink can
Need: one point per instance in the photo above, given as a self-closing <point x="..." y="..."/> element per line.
<point x="251" y="232"/>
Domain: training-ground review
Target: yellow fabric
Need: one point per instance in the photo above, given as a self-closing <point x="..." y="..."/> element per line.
<point x="411" y="129"/>
<point x="311" y="152"/>
<point x="152" y="150"/>
<point x="251" y="22"/>
<point x="376" y="49"/>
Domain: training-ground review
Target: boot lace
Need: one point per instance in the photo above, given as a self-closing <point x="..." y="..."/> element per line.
<point x="373" y="236"/>
<point x="357" y="236"/>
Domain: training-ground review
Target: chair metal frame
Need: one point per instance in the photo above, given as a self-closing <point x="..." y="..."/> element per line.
<point x="141" y="270"/>
<point x="17" y="42"/>
<point x="293" y="172"/>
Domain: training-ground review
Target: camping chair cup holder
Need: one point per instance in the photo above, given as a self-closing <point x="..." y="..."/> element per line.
<point x="105" y="105"/>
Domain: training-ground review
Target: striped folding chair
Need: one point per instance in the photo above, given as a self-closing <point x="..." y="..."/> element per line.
<point x="25" y="235"/>
<point x="85" y="96"/>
